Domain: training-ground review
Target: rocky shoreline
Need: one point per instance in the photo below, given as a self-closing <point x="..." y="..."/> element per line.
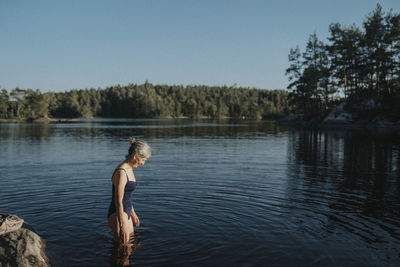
<point x="338" y="118"/>
<point x="19" y="245"/>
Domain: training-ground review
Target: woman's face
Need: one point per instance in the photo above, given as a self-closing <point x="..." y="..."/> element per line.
<point x="138" y="161"/>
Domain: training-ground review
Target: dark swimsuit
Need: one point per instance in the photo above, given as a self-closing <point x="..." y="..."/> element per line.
<point x="126" y="200"/>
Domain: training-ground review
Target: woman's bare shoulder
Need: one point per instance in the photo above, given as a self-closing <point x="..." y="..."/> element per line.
<point x="118" y="176"/>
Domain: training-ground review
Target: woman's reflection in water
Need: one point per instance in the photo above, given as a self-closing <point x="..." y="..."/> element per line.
<point x="122" y="254"/>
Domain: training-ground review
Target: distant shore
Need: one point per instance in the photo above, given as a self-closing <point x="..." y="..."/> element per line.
<point x="338" y="118"/>
<point x="66" y="120"/>
<point x="41" y="120"/>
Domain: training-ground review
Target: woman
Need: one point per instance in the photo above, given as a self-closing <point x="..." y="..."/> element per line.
<point x="121" y="214"/>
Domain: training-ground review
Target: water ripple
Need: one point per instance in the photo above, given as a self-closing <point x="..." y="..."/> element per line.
<point x="212" y="194"/>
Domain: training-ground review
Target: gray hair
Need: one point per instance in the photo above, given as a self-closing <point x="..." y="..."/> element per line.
<point x="139" y="148"/>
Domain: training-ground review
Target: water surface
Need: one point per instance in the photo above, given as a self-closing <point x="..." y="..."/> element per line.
<point x="213" y="193"/>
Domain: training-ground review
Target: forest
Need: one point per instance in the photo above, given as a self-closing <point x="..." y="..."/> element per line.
<point x="145" y="101"/>
<point x="355" y="65"/>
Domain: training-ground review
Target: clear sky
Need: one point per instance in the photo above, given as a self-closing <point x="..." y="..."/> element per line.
<point x="60" y="45"/>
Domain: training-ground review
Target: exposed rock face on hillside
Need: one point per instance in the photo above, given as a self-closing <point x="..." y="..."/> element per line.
<point x="338" y="115"/>
<point x="20" y="246"/>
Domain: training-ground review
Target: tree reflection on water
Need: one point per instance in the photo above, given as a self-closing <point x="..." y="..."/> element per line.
<point x="355" y="178"/>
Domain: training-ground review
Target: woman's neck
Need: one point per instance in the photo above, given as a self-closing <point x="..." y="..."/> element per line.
<point x="125" y="165"/>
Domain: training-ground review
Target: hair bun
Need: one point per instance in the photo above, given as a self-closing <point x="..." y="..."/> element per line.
<point x="132" y="140"/>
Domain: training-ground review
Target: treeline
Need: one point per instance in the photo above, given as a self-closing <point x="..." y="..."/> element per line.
<point x="355" y="65"/>
<point x="145" y="101"/>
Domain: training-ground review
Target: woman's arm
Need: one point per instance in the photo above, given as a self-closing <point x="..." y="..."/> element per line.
<point x="119" y="181"/>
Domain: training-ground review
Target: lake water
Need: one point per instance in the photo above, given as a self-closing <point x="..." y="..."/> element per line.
<point x="219" y="194"/>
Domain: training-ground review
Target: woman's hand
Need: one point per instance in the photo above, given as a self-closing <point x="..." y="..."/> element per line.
<point x="135" y="219"/>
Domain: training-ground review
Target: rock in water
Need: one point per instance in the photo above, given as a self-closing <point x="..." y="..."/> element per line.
<point x="22" y="248"/>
